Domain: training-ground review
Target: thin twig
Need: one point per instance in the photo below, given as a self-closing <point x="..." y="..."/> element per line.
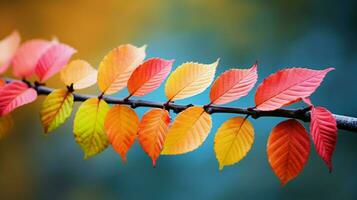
<point x="343" y="122"/>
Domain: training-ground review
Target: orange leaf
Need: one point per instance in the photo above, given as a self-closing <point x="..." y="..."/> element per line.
<point x="288" y="149"/>
<point x="189" y="130"/>
<point x="288" y="86"/>
<point x="8" y="47"/>
<point x="152" y="132"/>
<point x="121" y="125"/>
<point x="149" y="76"/>
<point x="233" y="84"/>
<point x="2" y="83"/>
<point x="116" y="67"/>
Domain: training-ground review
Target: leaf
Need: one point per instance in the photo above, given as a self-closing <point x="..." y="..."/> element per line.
<point x="288" y="149"/>
<point x="152" y="132"/>
<point x="149" y="76"/>
<point x="8" y="47"/>
<point x="6" y="123"/>
<point x="53" y="60"/>
<point x="189" y="79"/>
<point x="116" y="67"/>
<point x="324" y="133"/>
<point x="2" y="83"/>
<point x="233" y="84"/>
<point x="56" y="108"/>
<point x="14" y="95"/>
<point x="287" y="86"/>
<point x="27" y="56"/>
<point x="189" y="130"/>
<point x="233" y="141"/>
<point x="121" y="126"/>
<point x="89" y="126"/>
<point x="79" y="73"/>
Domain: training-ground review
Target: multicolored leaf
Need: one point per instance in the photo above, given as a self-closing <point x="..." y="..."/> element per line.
<point x="323" y="129"/>
<point x="56" y="108"/>
<point x="233" y="84"/>
<point x="88" y="126"/>
<point x="288" y="149"/>
<point x="8" y="47"/>
<point x="14" y="95"/>
<point x="288" y="86"/>
<point x="79" y="73"/>
<point x="53" y="60"/>
<point x="117" y="66"/>
<point x="189" y="79"/>
<point x="149" y="76"/>
<point x="27" y="56"/>
<point x="6" y="123"/>
<point x="121" y="126"/>
<point x="189" y="130"/>
<point x="233" y="141"/>
<point x="152" y="132"/>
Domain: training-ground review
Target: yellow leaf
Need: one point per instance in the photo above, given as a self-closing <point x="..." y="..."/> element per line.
<point x="79" y="73"/>
<point x="233" y="141"/>
<point x="56" y="108"/>
<point x="117" y="66"/>
<point x="189" y="130"/>
<point x="189" y="79"/>
<point x="121" y="126"/>
<point x="6" y="123"/>
<point x="89" y="126"/>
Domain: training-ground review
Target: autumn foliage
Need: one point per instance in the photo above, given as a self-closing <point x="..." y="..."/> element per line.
<point x="98" y="125"/>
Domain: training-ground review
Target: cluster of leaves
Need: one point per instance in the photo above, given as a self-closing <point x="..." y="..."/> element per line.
<point x="96" y="124"/>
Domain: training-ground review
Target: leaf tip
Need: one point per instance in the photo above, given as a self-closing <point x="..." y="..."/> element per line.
<point x="143" y="48"/>
<point x="221" y="166"/>
<point x="153" y="162"/>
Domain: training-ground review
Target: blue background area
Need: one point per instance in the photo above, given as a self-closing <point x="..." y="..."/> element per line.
<point x="314" y="34"/>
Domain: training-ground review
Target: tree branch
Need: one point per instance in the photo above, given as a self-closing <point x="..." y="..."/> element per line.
<point x="343" y="122"/>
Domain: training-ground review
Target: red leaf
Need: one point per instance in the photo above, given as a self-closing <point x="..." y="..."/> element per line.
<point x="288" y="149"/>
<point x="233" y="84"/>
<point x="287" y="86"/>
<point x="27" y="56"/>
<point x="149" y="76"/>
<point x="14" y="95"/>
<point x="53" y="60"/>
<point x="323" y="129"/>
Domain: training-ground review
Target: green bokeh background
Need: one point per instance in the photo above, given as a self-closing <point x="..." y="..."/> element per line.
<point x="277" y="33"/>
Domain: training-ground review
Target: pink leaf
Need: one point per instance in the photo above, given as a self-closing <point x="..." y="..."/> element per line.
<point x="14" y="95"/>
<point x="233" y="84"/>
<point x="287" y="86"/>
<point x="53" y="60"/>
<point x="324" y="133"/>
<point x="27" y="56"/>
<point x="8" y="47"/>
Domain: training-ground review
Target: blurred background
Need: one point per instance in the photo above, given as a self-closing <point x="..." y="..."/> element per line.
<point x="278" y="33"/>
